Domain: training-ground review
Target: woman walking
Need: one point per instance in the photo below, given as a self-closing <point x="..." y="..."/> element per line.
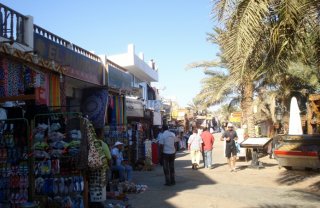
<point x="195" y="148"/>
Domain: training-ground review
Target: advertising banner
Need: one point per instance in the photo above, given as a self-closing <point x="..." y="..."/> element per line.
<point x="77" y="65"/>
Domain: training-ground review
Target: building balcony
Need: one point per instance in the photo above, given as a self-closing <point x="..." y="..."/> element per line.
<point x="136" y="65"/>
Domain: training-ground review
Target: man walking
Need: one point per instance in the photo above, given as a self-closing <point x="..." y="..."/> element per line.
<point x="230" y="135"/>
<point x="168" y="151"/>
<point x="207" y="145"/>
<point x="195" y="148"/>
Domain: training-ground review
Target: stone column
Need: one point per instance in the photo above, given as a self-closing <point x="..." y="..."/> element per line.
<point x="28" y="32"/>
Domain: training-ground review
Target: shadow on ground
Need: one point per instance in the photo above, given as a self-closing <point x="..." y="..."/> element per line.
<point x="282" y="206"/>
<point x="159" y="194"/>
<point x="264" y="165"/>
<point x="291" y="177"/>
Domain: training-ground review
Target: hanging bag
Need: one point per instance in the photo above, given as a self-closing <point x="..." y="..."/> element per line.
<point x="94" y="159"/>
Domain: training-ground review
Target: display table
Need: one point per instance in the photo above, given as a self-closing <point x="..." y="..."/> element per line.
<point x="255" y="144"/>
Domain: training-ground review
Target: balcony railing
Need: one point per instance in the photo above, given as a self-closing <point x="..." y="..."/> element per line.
<point x="12" y="24"/>
<point x="45" y="33"/>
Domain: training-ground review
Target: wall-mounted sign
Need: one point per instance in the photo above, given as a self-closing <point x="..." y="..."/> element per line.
<point x="77" y="66"/>
<point x="134" y="108"/>
<point x="119" y="79"/>
<point x="157" y="118"/>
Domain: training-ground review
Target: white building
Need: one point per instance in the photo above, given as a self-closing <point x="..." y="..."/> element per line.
<point x="143" y="75"/>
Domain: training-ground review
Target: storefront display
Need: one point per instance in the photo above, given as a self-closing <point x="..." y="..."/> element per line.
<point x="113" y="133"/>
<point x="116" y="110"/>
<point x="56" y="146"/>
<point x="14" y="166"/>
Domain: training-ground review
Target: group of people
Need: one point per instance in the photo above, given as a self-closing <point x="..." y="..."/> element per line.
<point x="200" y="143"/>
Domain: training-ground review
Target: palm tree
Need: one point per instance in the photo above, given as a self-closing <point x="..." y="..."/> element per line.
<point x="225" y="111"/>
<point x="259" y="40"/>
<point x="196" y="107"/>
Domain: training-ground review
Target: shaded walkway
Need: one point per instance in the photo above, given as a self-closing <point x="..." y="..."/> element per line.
<point x="265" y="188"/>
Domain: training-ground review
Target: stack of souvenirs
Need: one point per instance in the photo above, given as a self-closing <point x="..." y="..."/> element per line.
<point x="14" y="170"/>
<point x="115" y="133"/>
<point x="55" y="151"/>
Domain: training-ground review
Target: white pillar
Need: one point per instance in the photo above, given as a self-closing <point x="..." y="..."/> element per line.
<point x="131" y="48"/>
<point x="28" y="31"/>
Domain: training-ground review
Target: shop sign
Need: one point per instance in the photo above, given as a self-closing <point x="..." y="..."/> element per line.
<point x="181" y="115"/>
<point x="77" y="66"/>
<point x="174" y="114"/>
<point x="134" y="108"/>
<point x="235" y="117"/>
<point x="119" y="79"/>
<point x="157" y="119"/>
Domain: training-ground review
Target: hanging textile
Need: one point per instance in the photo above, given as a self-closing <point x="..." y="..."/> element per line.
<point x="114" y="111"/>
<point x="17" y="78"/>
<point x="117" y="113"/>
<point x="3" y="77"/>
<point x="54" y="92"/>
<point x="95" y="106"/>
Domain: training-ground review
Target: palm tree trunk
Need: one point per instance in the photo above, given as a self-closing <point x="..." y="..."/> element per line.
<point x="246" y="105"/>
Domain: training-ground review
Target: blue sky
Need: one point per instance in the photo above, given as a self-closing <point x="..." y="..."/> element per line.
<point x="172" y="32"/>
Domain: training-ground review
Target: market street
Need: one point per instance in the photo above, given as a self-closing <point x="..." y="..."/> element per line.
<point x="270" y="187"/>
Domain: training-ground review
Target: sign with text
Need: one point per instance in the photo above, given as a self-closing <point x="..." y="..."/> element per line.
<point x="77" y="65"/>
<point x="134" y="108"/>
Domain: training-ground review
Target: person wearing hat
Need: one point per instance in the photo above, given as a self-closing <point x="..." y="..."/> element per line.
<point x="125" y="170"/>
<point x="229" y="136"/>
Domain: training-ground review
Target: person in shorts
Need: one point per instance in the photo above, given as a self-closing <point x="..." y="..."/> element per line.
<point x="229" y="136"/>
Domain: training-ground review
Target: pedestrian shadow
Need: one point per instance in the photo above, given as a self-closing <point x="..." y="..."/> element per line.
<point x="291" y="177"/>
<point x="159" y="194"/>
<point x="216" y="165"/>
<point x="181" y="154"/>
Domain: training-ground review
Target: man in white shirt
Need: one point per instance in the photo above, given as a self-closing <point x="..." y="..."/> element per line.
<point x="168" y="151"/>
<point x="125" y="170"/>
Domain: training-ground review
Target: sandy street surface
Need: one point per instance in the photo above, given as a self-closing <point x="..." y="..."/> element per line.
<point x="269" y="187"/>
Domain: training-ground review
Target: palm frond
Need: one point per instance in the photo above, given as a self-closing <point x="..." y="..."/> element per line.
<point x="204" y="64"/>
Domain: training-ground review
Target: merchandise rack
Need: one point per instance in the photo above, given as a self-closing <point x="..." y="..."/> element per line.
<point x="43" y="198"/>
<point x="22" y="158"/>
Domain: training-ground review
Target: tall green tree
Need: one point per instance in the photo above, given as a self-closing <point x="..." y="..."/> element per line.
<point x="259" y="40"/>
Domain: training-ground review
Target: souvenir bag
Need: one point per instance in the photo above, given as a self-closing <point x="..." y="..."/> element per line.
<point x="94" y="159"/>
